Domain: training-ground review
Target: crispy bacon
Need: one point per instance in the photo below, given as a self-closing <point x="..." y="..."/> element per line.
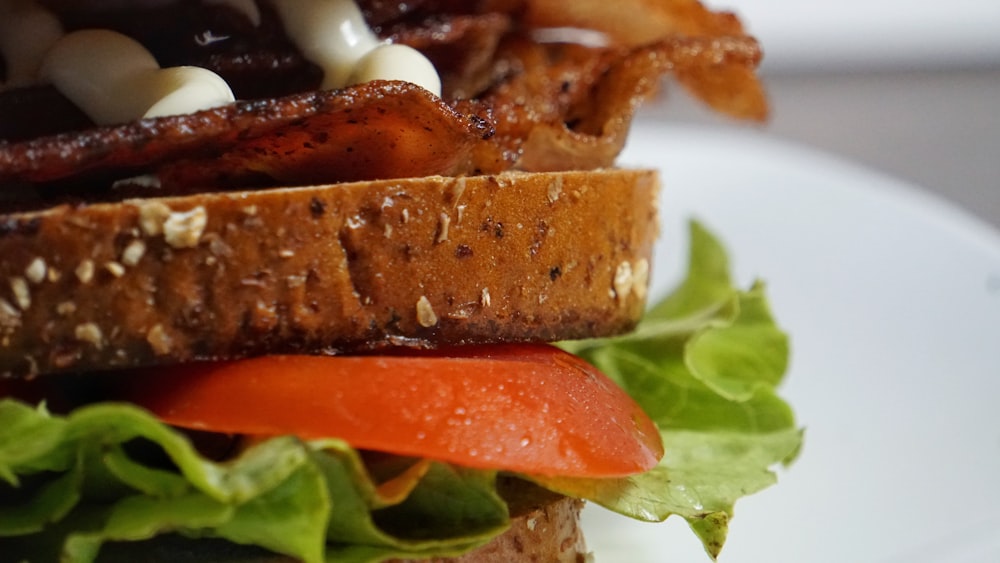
<point x="627" y="22"/>
<point x="634" y="22"/>
<point x="715" y="58"/>
<point x="376" y="130"/>
<point x="372" y="131"/>
<point x="570" y="107"/>
<point x="563" y="106"/>
<point x="551" y="106"/>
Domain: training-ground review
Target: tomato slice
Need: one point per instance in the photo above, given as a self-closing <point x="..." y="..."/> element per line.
<point x="531" y="409"/>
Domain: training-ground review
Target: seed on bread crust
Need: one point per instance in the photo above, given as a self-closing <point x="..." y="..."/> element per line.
<point x="10" y="317"/>
<point x="114" y="268"/>
<point x="85" y="271"/>
<point x="159" y="340"/>
<point x="445" y="223"/>
<point x="36" y="271"/>
<point x="66" y="308"/>
<point x="623" y="280"/>
<point x="425" y="313"/>
<point x="90" y="333"/>
<point x="183" y="229"/>
<point x="555" y="190"/>
<point x="152" y="216"/>
<point x="22" y="293"/>
<point x="236" y="293"/>
<point x="133" y="252"/>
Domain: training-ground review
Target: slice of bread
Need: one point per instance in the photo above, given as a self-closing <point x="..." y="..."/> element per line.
<point x="335" y="268"/>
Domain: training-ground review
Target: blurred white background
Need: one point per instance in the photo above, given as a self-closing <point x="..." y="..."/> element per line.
<point x="909" y="88"/>
<point x="837" y="35"/>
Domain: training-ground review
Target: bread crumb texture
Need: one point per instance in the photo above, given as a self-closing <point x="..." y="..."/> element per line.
<point x="355" y="266"/>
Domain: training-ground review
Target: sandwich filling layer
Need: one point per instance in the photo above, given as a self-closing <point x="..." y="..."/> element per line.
<point x="270" y="286"/>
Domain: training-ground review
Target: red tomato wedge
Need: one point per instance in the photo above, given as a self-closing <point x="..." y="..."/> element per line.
<point x="531" y="409"/>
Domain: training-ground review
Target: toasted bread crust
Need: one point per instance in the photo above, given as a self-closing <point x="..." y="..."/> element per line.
<point x="545" y="532"/>
<point x="345" y="267"/>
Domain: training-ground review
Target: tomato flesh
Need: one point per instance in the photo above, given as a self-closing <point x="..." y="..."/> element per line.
<point x="526" y="408"/>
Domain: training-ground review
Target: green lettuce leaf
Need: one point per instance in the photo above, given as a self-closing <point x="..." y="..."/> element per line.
<point x="704" y="364"/>
<point x="306" y="500"/>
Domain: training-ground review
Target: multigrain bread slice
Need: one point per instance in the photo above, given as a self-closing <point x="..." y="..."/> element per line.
<point x="544" y="528"/>
<point x="346" y="267"/>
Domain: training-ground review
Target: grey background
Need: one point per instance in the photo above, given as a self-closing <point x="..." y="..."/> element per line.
<point x="936" y="128"/>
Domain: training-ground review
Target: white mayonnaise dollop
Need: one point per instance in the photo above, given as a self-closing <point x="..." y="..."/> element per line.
<point x="334" y="35"/>
<point x="114" y="79"/>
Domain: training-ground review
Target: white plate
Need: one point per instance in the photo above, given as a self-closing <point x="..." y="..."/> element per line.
<point x="823" y="34"/>
<point x="892" y="298"/>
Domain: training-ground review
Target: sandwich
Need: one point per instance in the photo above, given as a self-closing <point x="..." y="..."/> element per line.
<point x="325" y="280"/>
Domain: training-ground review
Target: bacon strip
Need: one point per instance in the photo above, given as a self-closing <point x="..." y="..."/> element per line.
<point x="551" y="106"/>
<point x="376" y="130"/>
<point x="570" y="106"/>
<point x="634" y="22"/>
<point x="563" y="107"/>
